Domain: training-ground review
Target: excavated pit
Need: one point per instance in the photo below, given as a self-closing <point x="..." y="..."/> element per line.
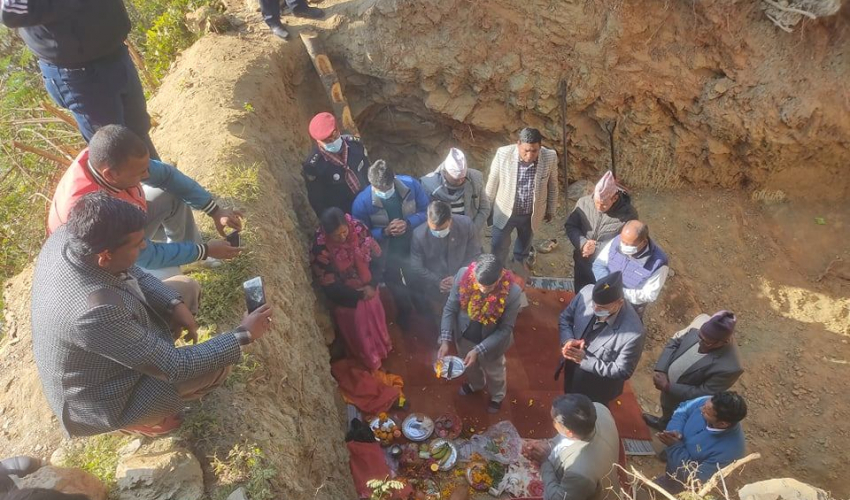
<point x="716" y="108"/>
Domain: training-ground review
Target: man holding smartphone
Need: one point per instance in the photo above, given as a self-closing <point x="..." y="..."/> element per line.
<point x="104" y="341"/>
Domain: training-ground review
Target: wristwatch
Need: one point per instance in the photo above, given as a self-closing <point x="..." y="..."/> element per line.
<point x="243" y="335"/>
<point x="173" y="303"/>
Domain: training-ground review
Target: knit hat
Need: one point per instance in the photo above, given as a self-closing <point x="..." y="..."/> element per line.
<point x="322" y="126"/>
<point x="721" y="326"/>
<point x="606" y="187"/>
<point x="608" y="289"/>
<point x="455" y="164"/>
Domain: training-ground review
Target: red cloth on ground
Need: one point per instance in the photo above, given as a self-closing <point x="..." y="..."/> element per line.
<point x="364" y="330"/>
<point x="366" y="461"/>
<point x="362" y="389"/>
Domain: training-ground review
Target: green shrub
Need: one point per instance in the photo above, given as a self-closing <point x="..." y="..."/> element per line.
<point x="168" y="35"/>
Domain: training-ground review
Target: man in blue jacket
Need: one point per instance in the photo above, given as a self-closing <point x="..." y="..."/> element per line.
<point x="85" y="64"/>
<point x="392" y="207"/>
<point x="706" y="431"/>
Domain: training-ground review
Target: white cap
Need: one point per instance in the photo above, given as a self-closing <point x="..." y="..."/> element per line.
<point x="455" y="164"/>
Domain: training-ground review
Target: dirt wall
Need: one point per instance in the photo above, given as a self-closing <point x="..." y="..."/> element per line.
<point x="707" y="93"/>
<point x="232" y="101"/>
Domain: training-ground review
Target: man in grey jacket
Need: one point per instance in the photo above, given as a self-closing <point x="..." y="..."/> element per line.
<point x="439" y="249"/>
<point x="482" y="334"/>
<point x="461" y="187"/>
<point x="578" y="464"/>
<point x="103" y="331"/>
<point x="602" y="340"/>
<point x="595" y="221"/>
<point x="700" y="360"/>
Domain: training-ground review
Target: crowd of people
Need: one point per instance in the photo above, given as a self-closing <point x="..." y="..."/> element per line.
<point x="113" y="316"/>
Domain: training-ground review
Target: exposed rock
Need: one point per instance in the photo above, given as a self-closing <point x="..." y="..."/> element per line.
<point x="72" y="481"/>
<point x="238" y="494"/>
<point x="206" y="19"/>
<point x="161" y="471"/>
<point x="578" y="189"/>
<point x="781" y="489"/>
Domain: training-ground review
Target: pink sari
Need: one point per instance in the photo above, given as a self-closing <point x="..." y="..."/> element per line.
<point x="364" y="328"/>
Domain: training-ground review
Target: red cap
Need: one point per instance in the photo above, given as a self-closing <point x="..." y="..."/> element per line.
<point x="322" y="126"/>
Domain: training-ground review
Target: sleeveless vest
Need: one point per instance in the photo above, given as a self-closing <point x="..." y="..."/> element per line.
<point x="636" y="271"/>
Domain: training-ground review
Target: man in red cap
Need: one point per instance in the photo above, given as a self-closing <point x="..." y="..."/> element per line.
<point x="337" y="169"/>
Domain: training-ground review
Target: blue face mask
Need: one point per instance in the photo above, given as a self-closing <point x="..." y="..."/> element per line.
<point x="333" y="147"/>
<point x="442" y="233"/>
<point x="385" y="195"/>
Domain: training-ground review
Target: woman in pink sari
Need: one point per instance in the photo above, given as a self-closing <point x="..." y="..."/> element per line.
<point x="346" y="262"/>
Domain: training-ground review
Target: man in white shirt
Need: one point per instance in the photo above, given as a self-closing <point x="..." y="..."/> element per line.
<point x="643" y="264"/>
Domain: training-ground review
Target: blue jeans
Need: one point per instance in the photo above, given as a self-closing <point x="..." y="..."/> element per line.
<point x="501" y="238"/>
<point x="271" y="9"/>
<point x="103" y="92"/>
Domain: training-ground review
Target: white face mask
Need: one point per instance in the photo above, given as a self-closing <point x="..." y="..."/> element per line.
<point x="333" y="147"/>
<point x="440" y="233"/>
<point x="602" y="313"/>
<point x="628" y="249"/>
<point x="385" y="195"/>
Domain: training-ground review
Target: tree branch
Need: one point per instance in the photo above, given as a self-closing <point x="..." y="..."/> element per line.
<point x="722" y="473"/>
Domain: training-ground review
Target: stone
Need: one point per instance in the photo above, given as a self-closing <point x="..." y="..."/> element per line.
<point x="163" y="470"/>
<point x="492" y="116"/>
<point x="66" y="480"/>
<point x="784" y="489"/>
<point x="130" y="448"/>
<point x="578" y="189"/>
<point x="238" y="494"/>
<point x="206" y="19"/>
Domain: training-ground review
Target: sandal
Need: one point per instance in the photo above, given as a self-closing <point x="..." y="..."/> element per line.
<point x="548" y="246"/>
<point x="494" y="406"/>
<point x="166" y="426"/>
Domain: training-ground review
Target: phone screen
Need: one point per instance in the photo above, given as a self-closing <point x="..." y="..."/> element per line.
<point x="233" y="239"/>
<point x="255" y="295"/>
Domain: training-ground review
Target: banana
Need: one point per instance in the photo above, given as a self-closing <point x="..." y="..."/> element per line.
<point x="440" y="452"/>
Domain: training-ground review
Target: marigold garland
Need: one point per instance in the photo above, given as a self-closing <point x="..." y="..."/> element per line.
<point x="484" y="308"/>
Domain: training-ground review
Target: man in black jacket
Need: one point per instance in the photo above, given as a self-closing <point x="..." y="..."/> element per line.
<point x="85" y="64"/>
<point x="337" y="168"/>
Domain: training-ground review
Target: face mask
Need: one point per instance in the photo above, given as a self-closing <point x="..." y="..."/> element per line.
<point x="385" y="195"/>
<point x="442" y="233"/>
<point x="333" y="147"/>
<point x="628" y="249"/>
<point x="602" y="313"/>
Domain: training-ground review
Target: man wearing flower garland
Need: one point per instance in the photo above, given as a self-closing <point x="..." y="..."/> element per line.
<point x="480" y="315"/>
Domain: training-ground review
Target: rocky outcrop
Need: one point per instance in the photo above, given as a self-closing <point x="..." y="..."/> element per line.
<point x="781" y="489"/>
<point x="66" y="480"/>
<point x="706" y="93"/>
<point x="162" y="471"/>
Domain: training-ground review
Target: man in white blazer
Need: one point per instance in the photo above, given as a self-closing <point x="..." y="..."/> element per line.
<point x="523" y="189"/>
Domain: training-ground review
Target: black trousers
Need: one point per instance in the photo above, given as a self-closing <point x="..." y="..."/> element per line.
<point x="582" y="271"/>
<point x="271" y="9"/>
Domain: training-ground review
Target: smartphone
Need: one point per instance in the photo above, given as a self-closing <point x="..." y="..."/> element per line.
<point x="233" y="239"/>
<point x="255" y="294"/>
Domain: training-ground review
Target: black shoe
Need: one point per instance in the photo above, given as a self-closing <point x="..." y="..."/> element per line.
<point x="280" y="32"/>
<point x="309" y="13"/>
<point x="465" y="390"/>
<point x="494" y="407"/>
<point x="653" y="421"/>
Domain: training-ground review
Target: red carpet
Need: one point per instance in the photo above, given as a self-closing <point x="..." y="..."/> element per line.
<point x="531" y="364"/>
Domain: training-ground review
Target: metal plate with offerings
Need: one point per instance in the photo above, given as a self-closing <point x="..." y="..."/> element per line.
<point x="417" y="427"/>
<point x="444" y="453"/>
<point x="385" y="429"/>
<point x="449" y="367"/>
